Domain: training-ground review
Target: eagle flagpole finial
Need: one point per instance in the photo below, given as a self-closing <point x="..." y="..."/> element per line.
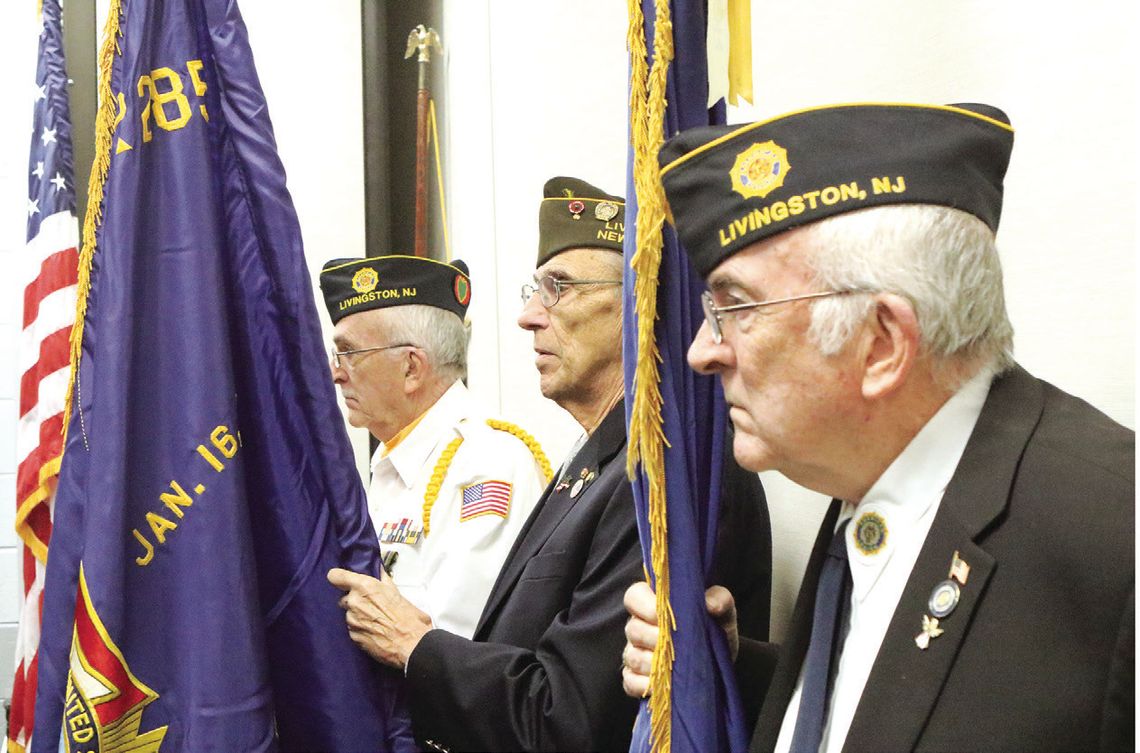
<point x="424" y="39"/>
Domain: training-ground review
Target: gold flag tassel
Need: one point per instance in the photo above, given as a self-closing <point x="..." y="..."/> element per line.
<point x="739" y="51"/>
<point x="105" y="123"/>
<point x="646" y="437"/>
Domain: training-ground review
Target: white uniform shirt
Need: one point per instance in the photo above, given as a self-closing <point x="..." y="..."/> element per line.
<point x="450" y="572"/>
<point x="907" y="497"/>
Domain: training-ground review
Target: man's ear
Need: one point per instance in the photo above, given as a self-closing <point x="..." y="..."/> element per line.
<point x="415" y="366"/>
<point x="890" y="347"/>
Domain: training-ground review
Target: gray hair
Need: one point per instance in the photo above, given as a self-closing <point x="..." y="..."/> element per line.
<point x="441" y="334"/>
<point x="943" y="261"/>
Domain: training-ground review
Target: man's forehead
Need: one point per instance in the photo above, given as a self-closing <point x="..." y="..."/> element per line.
<point x="360" y="325"/>
<point x="764" y="260"/>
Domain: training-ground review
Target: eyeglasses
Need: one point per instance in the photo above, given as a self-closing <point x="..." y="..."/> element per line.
<point x="713" y="312"/>
<point x="336" y="354"/>
<point x="549" y="289"/>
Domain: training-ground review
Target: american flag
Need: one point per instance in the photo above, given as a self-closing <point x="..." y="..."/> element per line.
<point x="50" y="272"/>
<point x="486" y="498"/>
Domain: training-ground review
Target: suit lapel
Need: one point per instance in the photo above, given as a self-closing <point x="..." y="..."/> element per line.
<point x="905" y="681"/>
<point x="555" y="503"/>
<point x="794" y="648"/>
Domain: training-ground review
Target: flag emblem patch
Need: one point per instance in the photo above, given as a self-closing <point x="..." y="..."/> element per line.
<point x="485" y="498"/>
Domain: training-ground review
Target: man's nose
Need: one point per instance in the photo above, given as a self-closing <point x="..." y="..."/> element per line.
<point x="706" y="356"/>
<point x="533" y="315"/>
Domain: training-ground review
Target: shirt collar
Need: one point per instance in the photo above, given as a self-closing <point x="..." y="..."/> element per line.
<point x="912" y="483"/>
<point x="411" y="453"/>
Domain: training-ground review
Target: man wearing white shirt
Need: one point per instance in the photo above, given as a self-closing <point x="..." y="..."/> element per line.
<point x="971" y="587"/>
<point x="451" y="485"/>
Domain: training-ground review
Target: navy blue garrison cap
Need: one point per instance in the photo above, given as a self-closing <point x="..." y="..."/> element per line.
<point x="731" y="186"/>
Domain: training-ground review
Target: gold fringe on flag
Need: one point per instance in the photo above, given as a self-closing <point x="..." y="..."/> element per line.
<point x="105" y="122"/>
<point x="646" y="436"/>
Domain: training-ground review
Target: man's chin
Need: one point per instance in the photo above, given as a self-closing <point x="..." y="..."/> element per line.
<point x="748" y="455"/>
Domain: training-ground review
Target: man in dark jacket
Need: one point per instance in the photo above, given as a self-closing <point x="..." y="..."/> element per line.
<point x="541" y="670"/>
<point x="972" y="586"/>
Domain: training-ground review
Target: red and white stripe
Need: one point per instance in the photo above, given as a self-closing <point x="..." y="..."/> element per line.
<point x="51" y="272"/>
<point x="491" y="498"/>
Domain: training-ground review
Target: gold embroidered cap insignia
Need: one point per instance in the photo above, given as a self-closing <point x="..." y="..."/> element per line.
<point x="759" y="170"/>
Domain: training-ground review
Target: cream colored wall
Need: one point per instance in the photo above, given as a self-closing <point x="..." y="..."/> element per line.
<point x="535" y="90"/>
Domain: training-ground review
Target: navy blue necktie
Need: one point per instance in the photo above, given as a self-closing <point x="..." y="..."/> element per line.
<point x="826" y="638"/>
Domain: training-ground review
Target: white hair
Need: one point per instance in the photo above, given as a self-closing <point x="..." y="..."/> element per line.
<point x="943" y="261"/>
<point x="441" y="334"/>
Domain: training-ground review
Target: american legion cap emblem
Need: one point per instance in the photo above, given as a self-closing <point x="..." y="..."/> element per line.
<point x="759" y="169"/>
<point x="365" y="280"/>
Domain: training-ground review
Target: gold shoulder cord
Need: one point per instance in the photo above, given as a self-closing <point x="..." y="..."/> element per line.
<point x="530" y="442"/>
<point x="448" y="455"/>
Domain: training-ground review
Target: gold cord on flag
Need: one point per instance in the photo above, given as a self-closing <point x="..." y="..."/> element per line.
<point x="105" y="123"/>
<point x="439" y="179"/>
<point x="647" y="440"/>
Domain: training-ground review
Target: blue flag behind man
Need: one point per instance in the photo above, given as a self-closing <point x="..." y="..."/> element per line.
<point x="207" y="483"/>
<point x="678" y="433"/>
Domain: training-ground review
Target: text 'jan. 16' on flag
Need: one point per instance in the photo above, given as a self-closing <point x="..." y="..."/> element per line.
<point x="207" y="482"/>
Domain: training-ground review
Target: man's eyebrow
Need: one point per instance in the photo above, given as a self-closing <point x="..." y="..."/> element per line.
<point x="558" y="273"/>
<point x="730" y="285"/>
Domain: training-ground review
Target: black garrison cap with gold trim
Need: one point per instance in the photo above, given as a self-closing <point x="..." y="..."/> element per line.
<point x="575" y="214"/>
<point x="353" y="285"/>
<point x="731" y="186"/>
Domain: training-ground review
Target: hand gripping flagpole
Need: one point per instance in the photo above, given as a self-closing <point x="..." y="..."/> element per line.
<point x="422" y="39"/>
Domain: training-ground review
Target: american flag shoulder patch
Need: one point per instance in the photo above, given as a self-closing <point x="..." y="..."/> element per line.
<point x="485" y="498"/>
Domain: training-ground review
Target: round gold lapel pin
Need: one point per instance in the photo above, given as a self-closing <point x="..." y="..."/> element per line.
<point x="870" y="533"/>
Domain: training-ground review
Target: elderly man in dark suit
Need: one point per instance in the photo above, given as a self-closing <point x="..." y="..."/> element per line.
<point x="972" y="585"/>
<point x="541" y="670"/>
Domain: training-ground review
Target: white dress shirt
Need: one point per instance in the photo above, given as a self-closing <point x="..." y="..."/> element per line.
<point x="906" y="497"/>
<point x="450" y="572"/>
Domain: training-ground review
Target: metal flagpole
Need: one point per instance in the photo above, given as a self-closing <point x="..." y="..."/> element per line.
<point x="422" y="39"/>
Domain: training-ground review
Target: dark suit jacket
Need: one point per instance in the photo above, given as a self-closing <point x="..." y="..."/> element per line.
<point x="1038" y="654"/>
<point x="543" y="671"/>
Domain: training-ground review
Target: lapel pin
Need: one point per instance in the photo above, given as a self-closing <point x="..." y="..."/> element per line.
<point x="576" y="208"/>
<point x="870" y="533"/>
<point x="944" y="598"/>
<point x="930" y="630"/>
<point x="585" y="477"/>
<point x="959" y="570"/>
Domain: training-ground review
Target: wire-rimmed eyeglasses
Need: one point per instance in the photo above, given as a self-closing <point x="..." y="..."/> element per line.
<point x="713" y="312"/>
<point x="336" y="354"/>
<point x="549" y="288"/>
